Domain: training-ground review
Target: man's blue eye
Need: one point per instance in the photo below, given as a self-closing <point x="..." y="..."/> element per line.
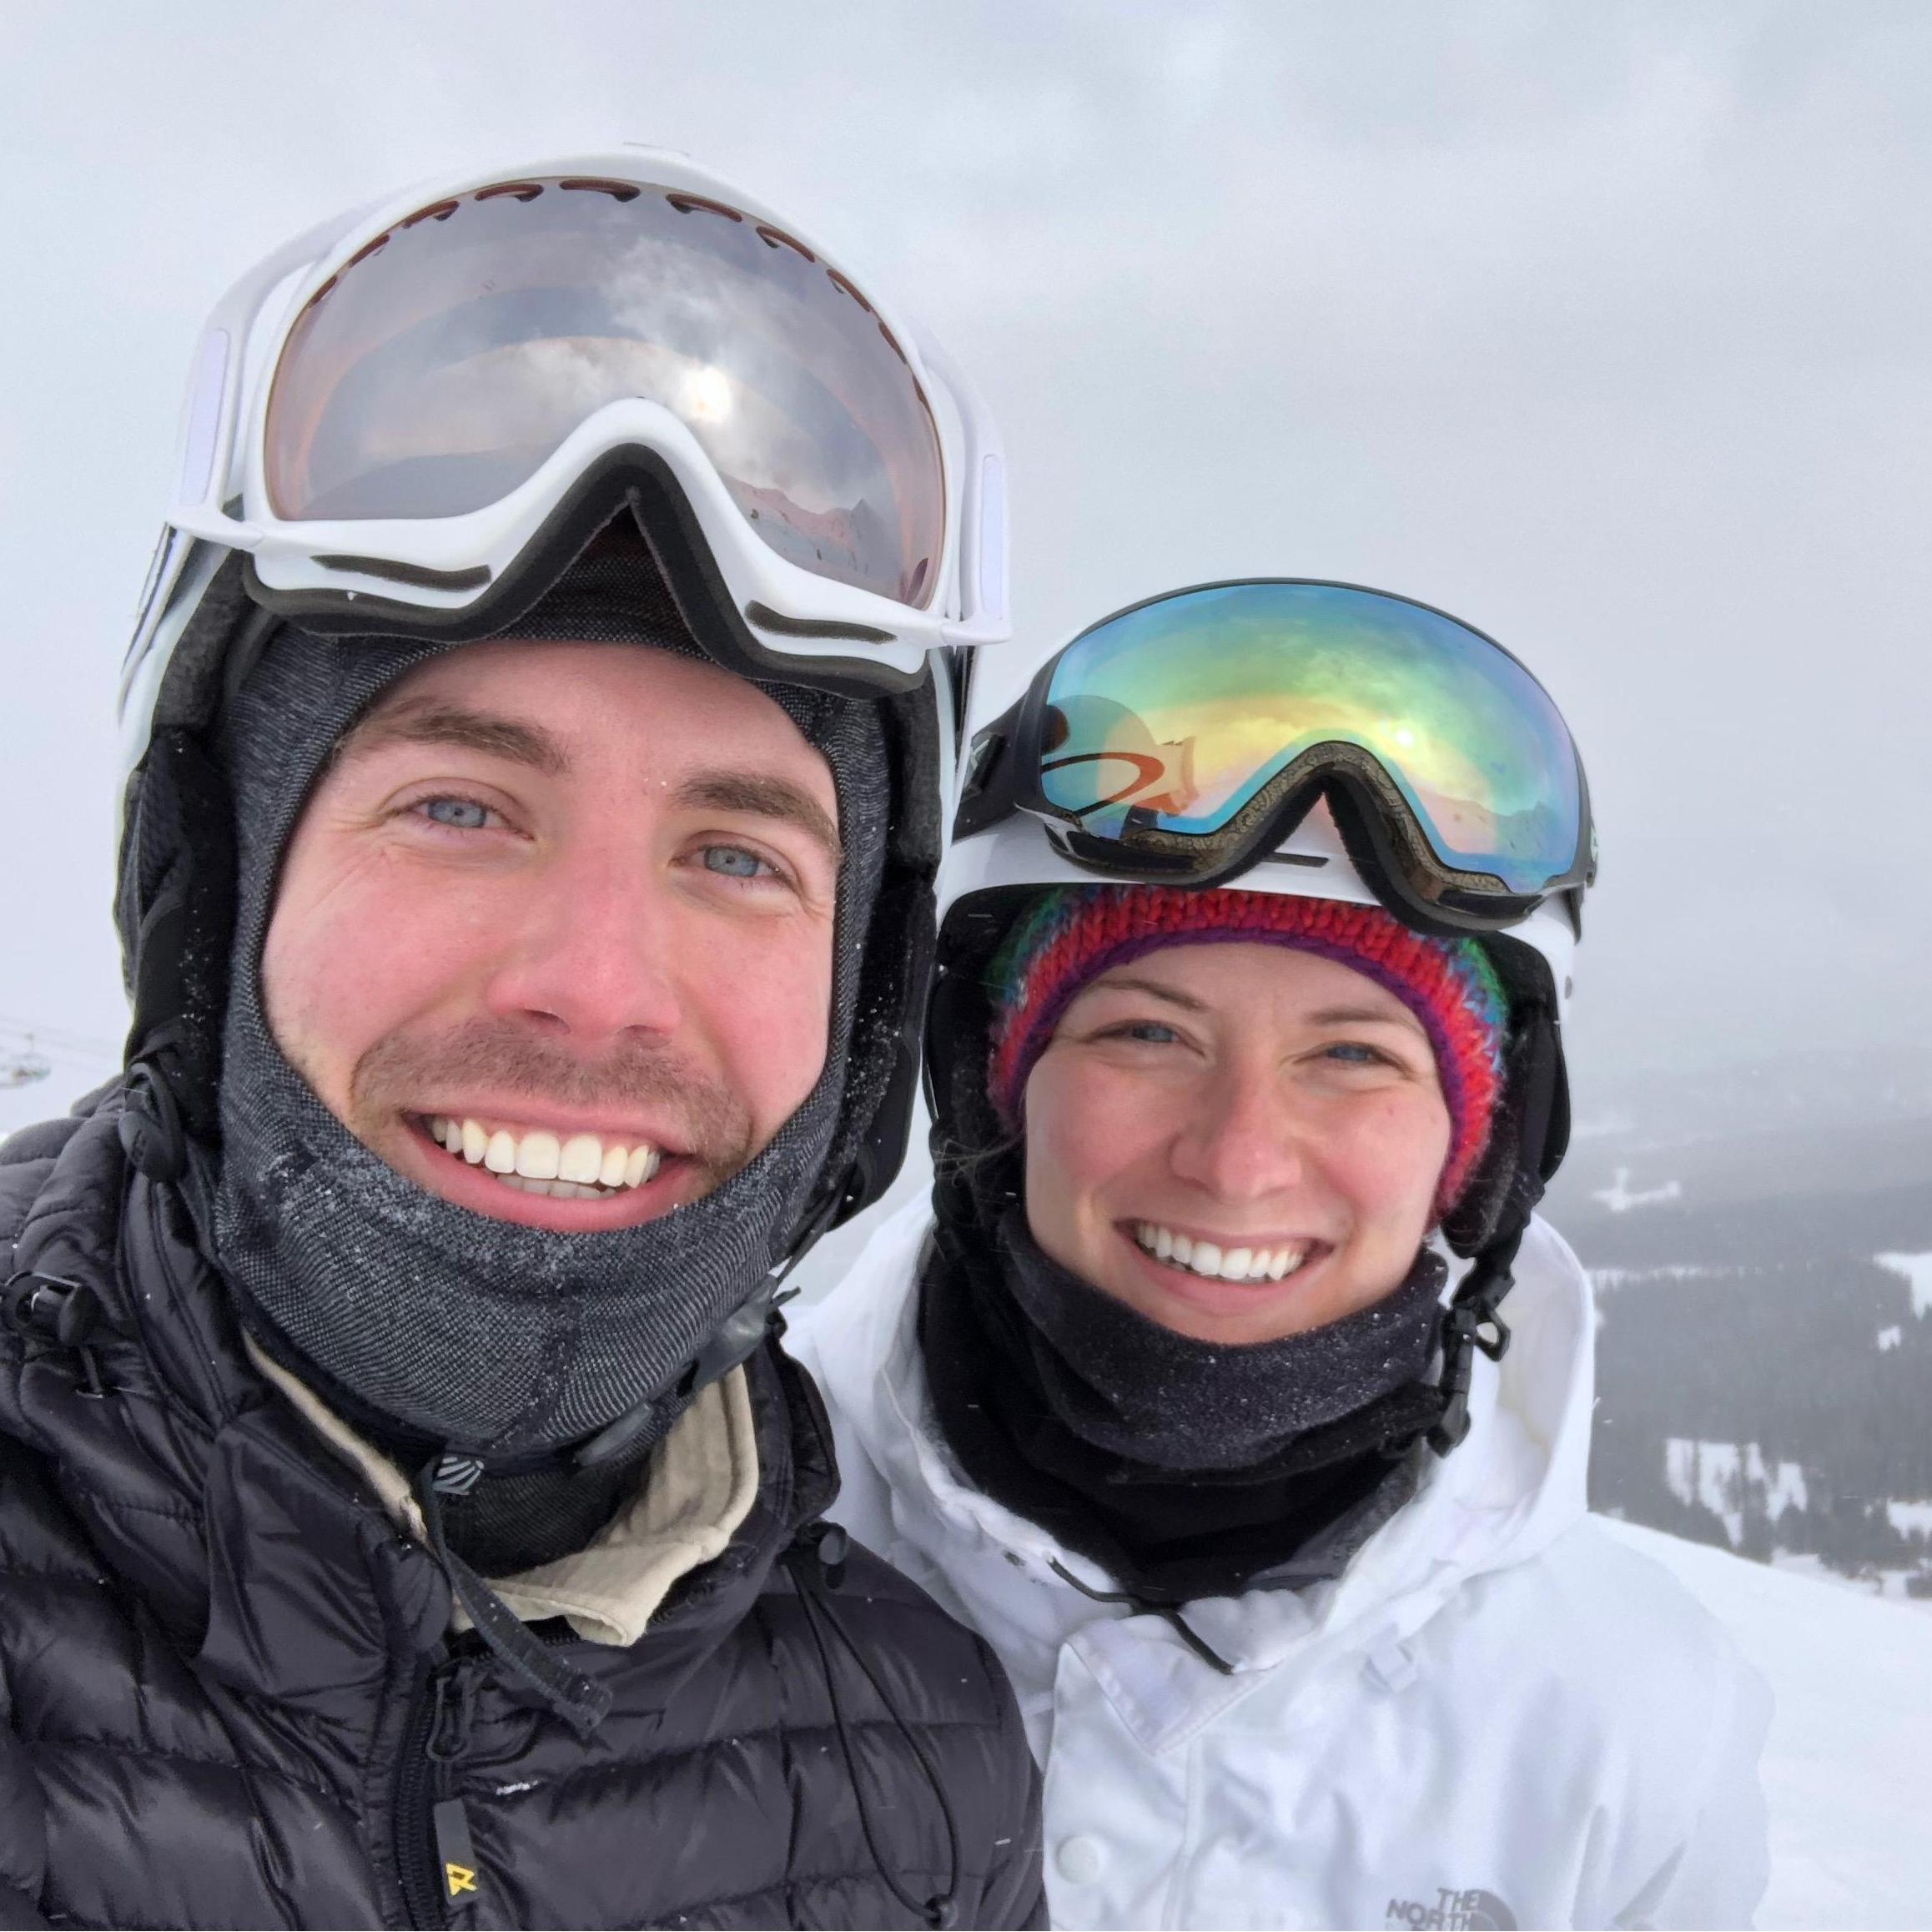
<point x="460" y="814"/>
<point x="732" y="860"/>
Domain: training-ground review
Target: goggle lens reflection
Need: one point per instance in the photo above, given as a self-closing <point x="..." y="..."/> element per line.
<point x="445" y="364"/>
<point x="1185" y="710"/>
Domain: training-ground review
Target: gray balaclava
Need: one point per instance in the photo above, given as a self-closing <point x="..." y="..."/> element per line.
<point x="477" y="1337"/>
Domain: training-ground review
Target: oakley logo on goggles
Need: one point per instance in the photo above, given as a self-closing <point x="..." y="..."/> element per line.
<point x="1185" y="738"/>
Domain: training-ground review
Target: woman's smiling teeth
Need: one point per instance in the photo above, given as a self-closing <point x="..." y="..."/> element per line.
<point x="1217" y="1263"/>
<point x="570" y="1167"/>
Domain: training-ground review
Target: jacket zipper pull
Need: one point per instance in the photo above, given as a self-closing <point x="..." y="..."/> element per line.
<point x="457" y="1874"/>
<point x="456" y="1856"/>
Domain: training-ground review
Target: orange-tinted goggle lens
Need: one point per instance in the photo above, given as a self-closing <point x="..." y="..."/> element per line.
<point x="451" y="357"/>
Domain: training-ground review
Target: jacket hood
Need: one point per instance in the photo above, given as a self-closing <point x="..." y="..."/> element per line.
<point x="470" y="1333"/>
<point x="176" y="906"/>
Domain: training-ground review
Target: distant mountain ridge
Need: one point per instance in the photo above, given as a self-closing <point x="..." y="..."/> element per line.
<point x="1764" y="1363"/>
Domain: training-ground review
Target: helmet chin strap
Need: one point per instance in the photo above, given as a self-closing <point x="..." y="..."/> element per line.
<point x="179" y="961"/>
<point x="735" y="1339"/>
<point x="1469" y="1322"/>
<point x="1532" y="1137"/>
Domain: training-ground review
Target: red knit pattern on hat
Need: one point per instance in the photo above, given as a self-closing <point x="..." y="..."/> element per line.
<point x="1448" y="985"/>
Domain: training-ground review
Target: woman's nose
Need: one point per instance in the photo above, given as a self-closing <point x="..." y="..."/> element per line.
<point x="1242" y="1139"/>
<point x="593" y="954"/>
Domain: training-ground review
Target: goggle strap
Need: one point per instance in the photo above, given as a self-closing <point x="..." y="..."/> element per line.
<point x="990" y="792"/>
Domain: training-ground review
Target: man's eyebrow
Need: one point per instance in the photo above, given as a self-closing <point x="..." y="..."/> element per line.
<point x="434" y="722"/>
<point x="764" y="796"/>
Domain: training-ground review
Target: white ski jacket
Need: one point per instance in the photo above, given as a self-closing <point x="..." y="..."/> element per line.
<point x="1498" y="1716"/>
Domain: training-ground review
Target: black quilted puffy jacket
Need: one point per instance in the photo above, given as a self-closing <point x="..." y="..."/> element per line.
<point x="229" y="1695"/>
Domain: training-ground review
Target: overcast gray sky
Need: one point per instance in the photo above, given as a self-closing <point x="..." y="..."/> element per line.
<point x="1605" y="328"/>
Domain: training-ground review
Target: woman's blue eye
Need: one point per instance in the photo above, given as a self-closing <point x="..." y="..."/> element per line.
<point x="733" y="861"/>
<point x="1152" y="1031"/>
<point x="460" y="814"/>
<point x="1354" y="1054"/>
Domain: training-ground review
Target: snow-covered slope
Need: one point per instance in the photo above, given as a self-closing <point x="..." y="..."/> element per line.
<point x="1849" y="1767"/>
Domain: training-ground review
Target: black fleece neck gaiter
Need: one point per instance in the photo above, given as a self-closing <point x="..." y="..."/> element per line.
<point x="1185" y="1468"/>
<point x="1132" y="1388"/>
<point x="430" y="1323"/>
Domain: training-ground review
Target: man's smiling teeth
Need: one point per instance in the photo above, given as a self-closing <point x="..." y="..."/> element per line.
<point x="575" y="1167"/>
<point x="1218" y="1263"/>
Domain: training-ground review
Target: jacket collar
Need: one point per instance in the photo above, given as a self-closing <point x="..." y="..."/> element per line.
<point x="274" y="1561"/>
<point x="694" y="1492"/>
<point x="1516" y="1483"/>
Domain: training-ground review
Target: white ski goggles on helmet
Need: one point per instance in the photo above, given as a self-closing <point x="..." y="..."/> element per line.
<point x="1183" y="740"/>
<point x="454" y="391"/>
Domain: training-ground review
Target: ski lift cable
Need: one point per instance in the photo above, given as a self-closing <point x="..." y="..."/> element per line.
<point x="89" y="1062"/>
<point x="59" y="1040"/>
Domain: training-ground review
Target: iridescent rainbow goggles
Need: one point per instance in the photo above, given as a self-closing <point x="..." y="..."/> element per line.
<point x="1183" y="740"/>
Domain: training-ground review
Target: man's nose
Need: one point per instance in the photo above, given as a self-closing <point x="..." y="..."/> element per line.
<point x="594" y="954"/>
<point x="1244" y="1138"/>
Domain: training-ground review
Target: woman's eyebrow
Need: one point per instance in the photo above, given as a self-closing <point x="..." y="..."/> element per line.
<point x="1133" y="983"/>
<point x="1324" y="1016"/>
<point x="1363" y="1016"/>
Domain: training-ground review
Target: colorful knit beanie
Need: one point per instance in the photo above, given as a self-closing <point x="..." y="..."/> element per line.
<point x="1073" y="933"/>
